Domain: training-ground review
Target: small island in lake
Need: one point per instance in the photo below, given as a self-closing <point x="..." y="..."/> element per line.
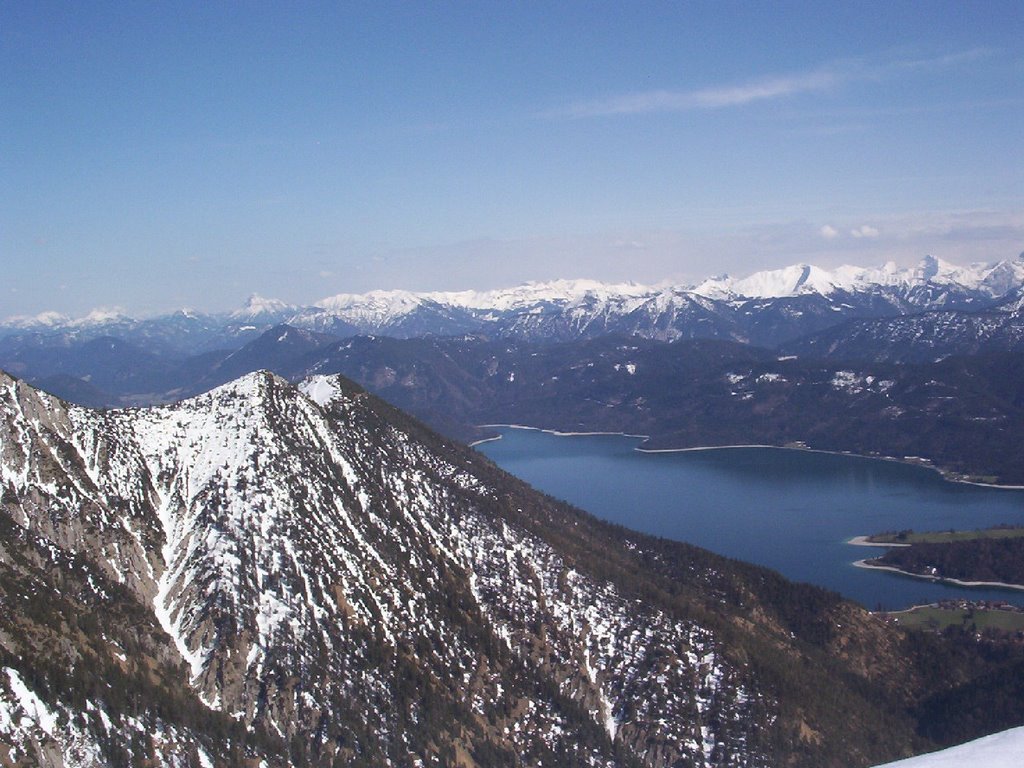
<point x="991" y="557"/>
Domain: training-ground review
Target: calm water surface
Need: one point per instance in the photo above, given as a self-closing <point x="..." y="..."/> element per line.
<point x="792" y="511"/>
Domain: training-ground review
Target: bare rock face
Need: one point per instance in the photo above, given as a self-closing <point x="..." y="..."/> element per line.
<point x="81" y="483"/>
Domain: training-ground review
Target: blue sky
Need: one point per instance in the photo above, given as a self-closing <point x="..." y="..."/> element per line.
<point x="154" y="156"/>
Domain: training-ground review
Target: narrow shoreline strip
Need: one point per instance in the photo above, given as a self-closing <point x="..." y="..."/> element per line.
<point x="940" y="579"/>
<point x="863" y="541"/>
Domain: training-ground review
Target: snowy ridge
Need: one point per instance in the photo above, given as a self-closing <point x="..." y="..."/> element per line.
<point x="393" y="303"/>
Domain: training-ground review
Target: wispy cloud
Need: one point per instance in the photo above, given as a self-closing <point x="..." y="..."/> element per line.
<point x="703" y="98"/>
<point x="948" y="60"/>
<point x="864" y="230"/>
<point x="773" y="88"/>
<point x="821" y="79"/>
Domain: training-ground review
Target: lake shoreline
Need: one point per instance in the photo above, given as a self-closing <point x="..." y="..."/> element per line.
<point x="947" y="475"/>
<point x="555" y="432"/>
<point x="939" y="579"/>
<point x="865" y="541"/>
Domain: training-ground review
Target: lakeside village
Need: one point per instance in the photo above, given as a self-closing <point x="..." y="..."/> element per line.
<point x="995" y="619"/>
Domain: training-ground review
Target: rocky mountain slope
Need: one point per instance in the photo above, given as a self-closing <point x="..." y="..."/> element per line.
<point x="308" y="577"/>
<point x="920" y="338"/>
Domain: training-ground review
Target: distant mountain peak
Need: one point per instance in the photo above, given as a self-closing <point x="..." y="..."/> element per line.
<point x="48" y="318"/>
<point x="379" y="303"/>
<point x="257" y="306"/>
<point x="52" y="319"/>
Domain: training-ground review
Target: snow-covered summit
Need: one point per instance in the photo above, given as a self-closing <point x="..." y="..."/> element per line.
<point x="102" y="316"/>
<point x="788" y="281"/>
<point x="257" y="307"/>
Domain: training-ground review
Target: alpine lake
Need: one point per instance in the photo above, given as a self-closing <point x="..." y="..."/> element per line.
<point x="791" y="510"/>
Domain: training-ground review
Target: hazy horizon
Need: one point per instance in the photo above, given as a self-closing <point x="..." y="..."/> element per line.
<point x="160" y="157"/>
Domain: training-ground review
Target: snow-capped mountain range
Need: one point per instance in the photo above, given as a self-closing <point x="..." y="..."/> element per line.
<point x="765" y="308"/>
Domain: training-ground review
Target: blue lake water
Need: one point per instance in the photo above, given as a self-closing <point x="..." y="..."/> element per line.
<point x="792" y="511"/>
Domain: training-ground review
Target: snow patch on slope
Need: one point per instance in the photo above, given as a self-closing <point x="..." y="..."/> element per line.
<point x="322" y="390"/>
<point x="35" y="711"/>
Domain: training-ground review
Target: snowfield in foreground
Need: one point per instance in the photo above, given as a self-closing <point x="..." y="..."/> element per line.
<point x="1000" y="750"/>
